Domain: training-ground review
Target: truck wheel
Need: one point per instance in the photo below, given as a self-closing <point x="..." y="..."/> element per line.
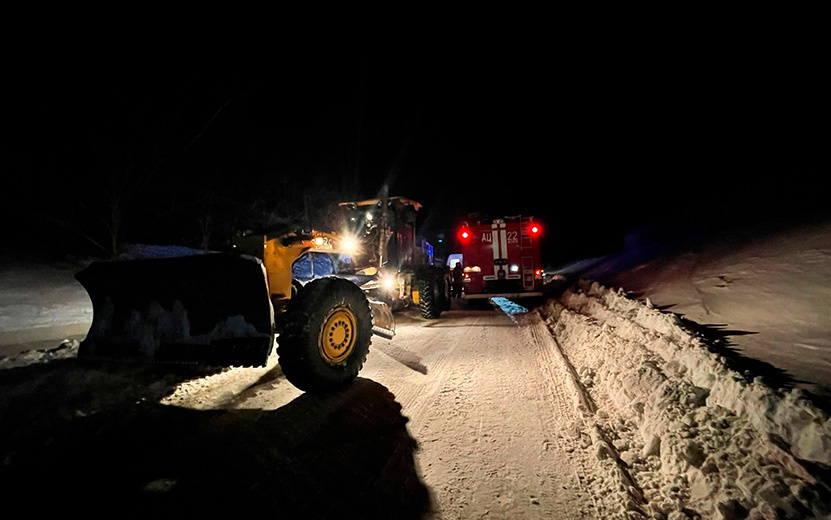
<point x="429" y="297"/>
<point x="327" y="329"/>
<point x="446" y="297"/>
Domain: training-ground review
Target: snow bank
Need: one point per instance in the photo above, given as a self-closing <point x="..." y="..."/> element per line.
<point x="694" y="436"/>
<point x="68" y="349"/>
<point x="139" y="251"/>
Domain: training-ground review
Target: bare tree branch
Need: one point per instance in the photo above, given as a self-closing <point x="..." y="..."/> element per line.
<point x="207" y="124"/>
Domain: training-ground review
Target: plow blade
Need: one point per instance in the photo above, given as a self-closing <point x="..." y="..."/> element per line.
<point x="211" y="309"/>
<point x="383" y="323"/>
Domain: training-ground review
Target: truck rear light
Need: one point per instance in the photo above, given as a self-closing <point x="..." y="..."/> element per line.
<point x="465" y="234"/>
<point x="502" y="254"/>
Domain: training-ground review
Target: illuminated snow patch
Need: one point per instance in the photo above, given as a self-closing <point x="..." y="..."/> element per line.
<point x="509" y="307"/>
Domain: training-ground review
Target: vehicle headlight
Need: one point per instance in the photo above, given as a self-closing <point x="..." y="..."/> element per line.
<point x="389" y="282"/>
<point x="349" y="243"/>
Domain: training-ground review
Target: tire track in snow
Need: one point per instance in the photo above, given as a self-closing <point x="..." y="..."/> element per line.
<point x="556" y="369"/>
<point x="437" y="350"/>
<point x="488" y="427"/>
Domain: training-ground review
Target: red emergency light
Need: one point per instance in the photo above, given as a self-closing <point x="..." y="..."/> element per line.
<point x="535" y="229"/>
<point x="465" y="234"/>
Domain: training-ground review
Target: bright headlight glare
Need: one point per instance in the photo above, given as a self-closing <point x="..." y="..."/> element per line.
<point x="514" y="268"/>
<point x="388" y="282"/>
<point x="349" y="243"/>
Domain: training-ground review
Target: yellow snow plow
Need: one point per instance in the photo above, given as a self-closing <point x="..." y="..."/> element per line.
<point x="220" y="309"/>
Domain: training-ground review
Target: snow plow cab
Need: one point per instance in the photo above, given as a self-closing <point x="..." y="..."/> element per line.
<point x="220" y="309"/>
<point x="401" y="261"/>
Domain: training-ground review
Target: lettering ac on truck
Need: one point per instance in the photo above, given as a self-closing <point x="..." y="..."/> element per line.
<point x="501" y="257"/>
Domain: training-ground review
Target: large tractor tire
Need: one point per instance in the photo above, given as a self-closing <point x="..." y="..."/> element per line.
<point x="327" y="329"/>
<point x="430" y="294"/>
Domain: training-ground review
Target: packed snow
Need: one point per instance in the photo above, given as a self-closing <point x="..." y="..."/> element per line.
<point x="681" y="426"/>
<point x="699" y="371"/>
<point x="766" y="290"/>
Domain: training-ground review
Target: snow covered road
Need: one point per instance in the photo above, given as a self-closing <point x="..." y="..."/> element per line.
<point x="488" y="417"/>
<point x="482" y="404"/>
<point x="592" y="406"/>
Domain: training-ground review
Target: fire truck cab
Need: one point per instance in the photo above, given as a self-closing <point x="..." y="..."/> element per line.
<point x="501" y="257"/>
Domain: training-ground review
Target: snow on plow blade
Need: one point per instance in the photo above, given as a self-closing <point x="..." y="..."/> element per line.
<point x="383" y="323"/>
<point x="211" y="309"/>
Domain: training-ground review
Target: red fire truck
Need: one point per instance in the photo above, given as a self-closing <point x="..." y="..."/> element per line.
<point x="501" y="257"/>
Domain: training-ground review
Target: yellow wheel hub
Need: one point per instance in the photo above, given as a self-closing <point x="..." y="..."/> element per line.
<point x="337" y="337"/>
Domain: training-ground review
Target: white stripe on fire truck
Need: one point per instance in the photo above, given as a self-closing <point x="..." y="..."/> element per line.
<point x="503" y="237"/>
<point x="500" y="244"/>
<point x="495" y="244"/>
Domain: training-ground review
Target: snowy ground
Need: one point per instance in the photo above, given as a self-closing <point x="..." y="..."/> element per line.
<point x="685" y="430"/>
<point x="40" y="304"/>
<point x="766" y="291"/>
<point x="686" y="402"/>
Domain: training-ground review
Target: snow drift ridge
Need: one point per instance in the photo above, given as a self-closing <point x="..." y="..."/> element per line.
<point x="693" y="434"/>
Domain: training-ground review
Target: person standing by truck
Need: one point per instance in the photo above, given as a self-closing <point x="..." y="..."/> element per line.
<point x="458" y="280"/>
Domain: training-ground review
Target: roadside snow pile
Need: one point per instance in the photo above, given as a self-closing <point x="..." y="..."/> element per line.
<point x="689" y="437"/>
<point x="139" y="251"/>
<point x="66" y="350"/>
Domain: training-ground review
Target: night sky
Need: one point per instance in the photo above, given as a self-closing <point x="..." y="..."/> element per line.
<point x="593" y="134"/>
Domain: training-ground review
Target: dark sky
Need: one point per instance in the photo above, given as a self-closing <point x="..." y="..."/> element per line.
<point x="593" y="134"/>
